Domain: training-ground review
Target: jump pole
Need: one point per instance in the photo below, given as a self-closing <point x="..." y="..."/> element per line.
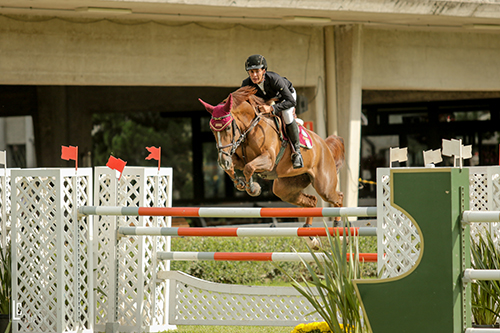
<point x="244" y="232"/>
<point x="253" y="256"/>
<point x="229" y="211"/>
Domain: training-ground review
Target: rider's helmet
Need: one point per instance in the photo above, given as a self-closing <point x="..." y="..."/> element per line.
<point x="255" y="61"/>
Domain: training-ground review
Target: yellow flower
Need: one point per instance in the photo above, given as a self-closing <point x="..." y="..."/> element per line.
<point x="312" y="327"/>
<point x="298" y="329"/>
<point x="323" y="326"/>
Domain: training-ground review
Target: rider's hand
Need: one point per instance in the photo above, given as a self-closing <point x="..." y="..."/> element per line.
<point x="266" y="109"/>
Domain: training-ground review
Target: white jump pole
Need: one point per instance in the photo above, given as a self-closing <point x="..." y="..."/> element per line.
<point x="481" y="274"/>
<point x="481" y="216"/>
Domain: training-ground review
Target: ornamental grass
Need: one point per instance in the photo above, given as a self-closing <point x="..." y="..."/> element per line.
<point x="485" y="293"/>
<point x="335" y="299"/>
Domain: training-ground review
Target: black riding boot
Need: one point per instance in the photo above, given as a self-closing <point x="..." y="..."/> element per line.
<point x="292" y="130"/>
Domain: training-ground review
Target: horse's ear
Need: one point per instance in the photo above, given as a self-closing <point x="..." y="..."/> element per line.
<point x="229" y="104"/>
<point x="207" y="106"/>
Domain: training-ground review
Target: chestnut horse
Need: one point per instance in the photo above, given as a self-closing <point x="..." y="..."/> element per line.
<point x="250" y="141"/>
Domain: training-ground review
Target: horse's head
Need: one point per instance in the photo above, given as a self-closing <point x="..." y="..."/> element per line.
<point x="222" y="126"/>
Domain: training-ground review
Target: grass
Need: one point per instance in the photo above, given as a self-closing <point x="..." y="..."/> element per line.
<point x="253" y="273"/>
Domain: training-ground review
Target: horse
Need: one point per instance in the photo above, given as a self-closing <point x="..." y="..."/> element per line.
<point x="249" y="140"/>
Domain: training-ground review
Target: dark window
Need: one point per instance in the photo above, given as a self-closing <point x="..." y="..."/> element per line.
<point x="422" y="126"/>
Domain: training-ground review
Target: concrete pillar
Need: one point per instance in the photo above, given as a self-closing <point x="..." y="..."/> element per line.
<point x="30" y="142"/>
<point x="348" y="50"/>
<point x="3" y="131"/>
<point x="330" y="81"/>
<point x="320" y="126"/>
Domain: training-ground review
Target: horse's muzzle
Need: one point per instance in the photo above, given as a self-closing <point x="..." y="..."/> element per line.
<point x="225" y="162"/>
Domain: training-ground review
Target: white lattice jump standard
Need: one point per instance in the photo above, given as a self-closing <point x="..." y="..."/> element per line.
<point x="254" y="256"/>
<point x="245" y="232"/>
<point x="231" y="212"/>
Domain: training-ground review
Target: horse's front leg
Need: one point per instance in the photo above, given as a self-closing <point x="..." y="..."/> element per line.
<point x="263" y="162"/>
<point x="239" y="182"/>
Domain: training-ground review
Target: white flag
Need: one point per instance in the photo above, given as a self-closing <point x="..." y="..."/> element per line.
<point x="432" y="156"/>
<point x="451" y="147"/>
<point x="398" y="155"/>
<point x="2" y="158"/>
<point x="467" y="152"/>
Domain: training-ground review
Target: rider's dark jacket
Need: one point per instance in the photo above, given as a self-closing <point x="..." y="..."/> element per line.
<point x="277" y="87"/>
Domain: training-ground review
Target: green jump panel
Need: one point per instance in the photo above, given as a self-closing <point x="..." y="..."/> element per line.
<point x="428" y="298"/>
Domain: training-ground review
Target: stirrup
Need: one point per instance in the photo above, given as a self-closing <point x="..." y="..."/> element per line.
<point x="297" y="161"/>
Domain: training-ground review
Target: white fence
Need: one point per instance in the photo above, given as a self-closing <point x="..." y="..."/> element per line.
<point x="129" y="297"/>
<point x="77" y="277"/>
<point x="51" y="250"/>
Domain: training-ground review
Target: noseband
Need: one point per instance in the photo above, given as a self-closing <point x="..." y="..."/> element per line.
<point x="235" y="143"/>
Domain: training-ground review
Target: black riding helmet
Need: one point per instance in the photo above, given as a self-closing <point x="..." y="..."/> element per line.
<point x="255" y="61"/>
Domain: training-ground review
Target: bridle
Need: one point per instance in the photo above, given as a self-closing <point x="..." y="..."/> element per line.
<point x="236" y="143"/>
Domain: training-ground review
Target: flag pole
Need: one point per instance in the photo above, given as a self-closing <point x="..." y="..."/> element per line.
<point x="159" y="158"/>
<point x="4" y="205"/>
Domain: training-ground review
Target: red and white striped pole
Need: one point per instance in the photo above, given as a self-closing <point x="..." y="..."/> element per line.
<point x="229" y="212"/>
<point x="245" y="232"/>
<point x="254" y="256"/>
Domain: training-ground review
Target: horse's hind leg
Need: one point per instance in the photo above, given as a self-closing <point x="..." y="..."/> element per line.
<point x="327" y="189"/>
<point x="290" y="190"/>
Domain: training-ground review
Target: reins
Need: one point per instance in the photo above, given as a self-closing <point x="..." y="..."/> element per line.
<point x="236" y="144"/>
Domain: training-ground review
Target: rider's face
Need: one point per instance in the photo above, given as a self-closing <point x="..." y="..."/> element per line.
<point x="257" y="75"/>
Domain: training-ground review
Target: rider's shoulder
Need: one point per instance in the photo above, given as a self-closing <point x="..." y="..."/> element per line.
<point x="273" y="75"/>
<point x="276" y="79"/>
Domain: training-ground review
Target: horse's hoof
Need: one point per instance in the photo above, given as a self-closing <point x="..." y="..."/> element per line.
<point x="313" y="243"/>
<point x="254" y="189"/>
<point x="239" y="184"/>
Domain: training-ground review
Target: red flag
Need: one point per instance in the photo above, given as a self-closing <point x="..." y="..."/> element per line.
<point x="154" y="153"/>
<point x="116" y="164"/>
<point x="70" y="153"/>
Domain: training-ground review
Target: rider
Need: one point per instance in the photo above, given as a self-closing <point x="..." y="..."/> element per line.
<point x="271" y="85"/>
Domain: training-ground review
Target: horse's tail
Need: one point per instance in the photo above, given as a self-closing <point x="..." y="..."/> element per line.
<point x="336" y="145"/>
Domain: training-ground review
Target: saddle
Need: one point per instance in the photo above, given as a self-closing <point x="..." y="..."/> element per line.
<point x="304" y="137"/>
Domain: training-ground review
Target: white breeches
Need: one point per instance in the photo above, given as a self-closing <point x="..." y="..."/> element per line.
<point x="287" y="114"/>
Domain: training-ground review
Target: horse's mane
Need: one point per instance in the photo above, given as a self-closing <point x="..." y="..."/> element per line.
<point x="247" y="94"/>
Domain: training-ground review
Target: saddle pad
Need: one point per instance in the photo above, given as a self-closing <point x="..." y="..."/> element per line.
<point x="305" y="138"/>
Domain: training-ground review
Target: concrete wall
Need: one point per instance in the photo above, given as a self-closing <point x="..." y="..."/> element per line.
<point x="101" y="52"/>
<point x="426" y="60"/>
